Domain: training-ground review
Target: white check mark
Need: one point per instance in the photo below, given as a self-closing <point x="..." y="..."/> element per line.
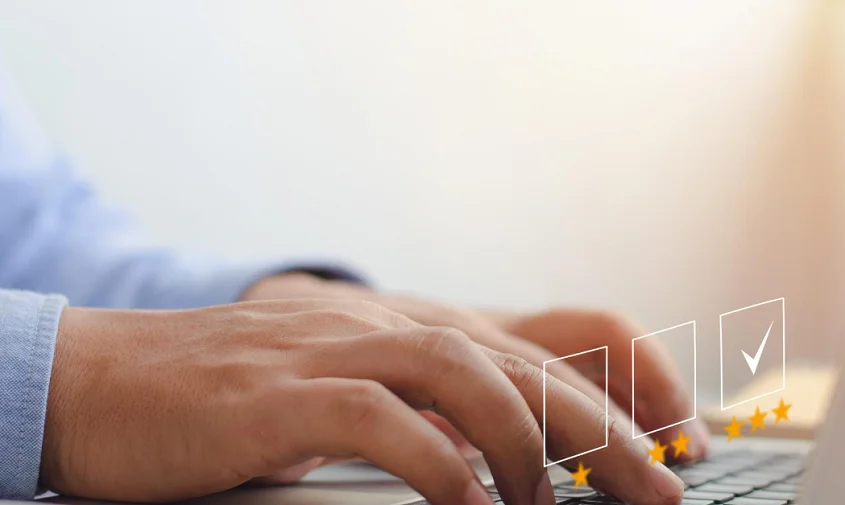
<point x="753" y="362"/>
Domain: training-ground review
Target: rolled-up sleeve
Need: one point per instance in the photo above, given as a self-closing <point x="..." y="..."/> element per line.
<point x="28" y="326"/>
<point x="57" y="236"/>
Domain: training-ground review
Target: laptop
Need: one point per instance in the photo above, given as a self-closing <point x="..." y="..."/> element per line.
<point x="752" y="470"/>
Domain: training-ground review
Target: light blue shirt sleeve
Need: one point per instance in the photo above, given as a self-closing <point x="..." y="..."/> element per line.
<point x="28" y="323"/>
<point x="57" y="237"/>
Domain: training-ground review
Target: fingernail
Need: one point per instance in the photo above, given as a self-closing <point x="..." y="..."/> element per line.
<point x="545" y="495"/>
<point x="477" y="495"/>
<point x="667" y="484"/>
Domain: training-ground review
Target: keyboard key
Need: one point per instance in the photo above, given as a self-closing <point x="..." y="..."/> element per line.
<point x="716" y="487"/>
<point x="744" y="481"/>
<point x="751" y="501"/>
<point x="719" y="468"/>
<point x="695" y="480"/>
<point x="601" y="500"/>
<point x="760" y="479"/>
<point x="773" y="473"/>
<point x="690" y="501"/>
<point x="694" y="477"/>
<point x="572" y="492"/>
<point x="772" y="495"/>
<point x="789" y="488"/>
<point x="704" y="495"/>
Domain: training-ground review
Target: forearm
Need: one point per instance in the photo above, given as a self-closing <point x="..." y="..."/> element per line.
<point x="61" y="238"/>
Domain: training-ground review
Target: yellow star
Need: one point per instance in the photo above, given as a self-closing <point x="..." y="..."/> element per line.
<point x="581" y="475"/>
<point x="782" y="411"/>
<point x="734" y="428"/>
<point x="658" y="453"/>
<point x="757" y="419"/>
<point x="680" y="444"/>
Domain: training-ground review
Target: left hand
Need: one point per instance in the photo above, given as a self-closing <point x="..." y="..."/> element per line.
<point x="537" y="337"/>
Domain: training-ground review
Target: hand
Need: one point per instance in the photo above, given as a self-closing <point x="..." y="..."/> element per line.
<point x="661" y="397"/>
<point x="154" y="406"/>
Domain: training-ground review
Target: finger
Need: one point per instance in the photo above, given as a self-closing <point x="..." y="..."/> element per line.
<point x="467" y="449"/>
<point x="537" y="355"/>
<point x="441" y="368"/>
<point x="662" y="398"/>
<point x="575" y="424"/>
<point x="292" y="474"/>
<point x="347" y="418"/>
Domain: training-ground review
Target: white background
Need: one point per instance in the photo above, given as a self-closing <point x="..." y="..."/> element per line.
<point x="671" y="160"/>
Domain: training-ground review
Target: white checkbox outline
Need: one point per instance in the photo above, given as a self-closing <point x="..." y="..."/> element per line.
<point x="782" y="301"/>
<point x="694" y="380"/>
<point x="606" y="405"/>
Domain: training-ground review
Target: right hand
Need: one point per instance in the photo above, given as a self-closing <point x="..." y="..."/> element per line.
<point x="155" y="406"/>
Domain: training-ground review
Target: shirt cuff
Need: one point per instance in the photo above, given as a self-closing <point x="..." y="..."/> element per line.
<point x="28" y="326"/>
<point x="329" y="272"/>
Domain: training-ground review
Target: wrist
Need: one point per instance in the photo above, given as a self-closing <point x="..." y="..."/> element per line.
<point x="302" y="285"/>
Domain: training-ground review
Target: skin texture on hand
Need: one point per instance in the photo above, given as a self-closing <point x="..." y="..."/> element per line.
<point x="662" y="399"/>
<point x="155" y="406"/>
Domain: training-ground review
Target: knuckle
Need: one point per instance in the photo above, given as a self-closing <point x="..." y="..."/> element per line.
<point x="605" y="421"/>
<point x="442" y="350"/>
<point x="362" y="403"/>
<point x="391" y="317"/>
<point x="522" y="373"/>
<point x="343" y="318"/>
<point x="446" y="342"/>
<point x="367" y="306"/>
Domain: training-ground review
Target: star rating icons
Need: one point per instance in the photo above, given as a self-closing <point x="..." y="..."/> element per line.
<point x="580" y="476"/>
<point x="782" y="411"/>
<point x="751" y="340"/>
<point x="757" y="420"/>
<point x="680" y="444"/>
<point x="734" y="428"/>
<point x="657" y="454"/>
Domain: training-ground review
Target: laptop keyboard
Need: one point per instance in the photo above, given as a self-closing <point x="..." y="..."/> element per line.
<point x="734" y="478"/>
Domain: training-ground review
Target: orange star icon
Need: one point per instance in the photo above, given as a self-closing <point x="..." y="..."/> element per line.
<point x="581" y="475"/>
<point x="782" y="411"/>
<point x="734" y="428"/>
<point x="757" y="419"/>
<point x="658" y="453"/>
<point x="680" y="444"/>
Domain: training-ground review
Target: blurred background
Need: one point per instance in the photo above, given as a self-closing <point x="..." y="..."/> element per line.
<point x="669" y="160"/>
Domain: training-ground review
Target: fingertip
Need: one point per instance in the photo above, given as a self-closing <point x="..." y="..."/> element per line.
<point x="667" y="485"/>
<point x="477" y="495"/>
<point x="544" y="495"/>
<point x="700" y="440"/>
